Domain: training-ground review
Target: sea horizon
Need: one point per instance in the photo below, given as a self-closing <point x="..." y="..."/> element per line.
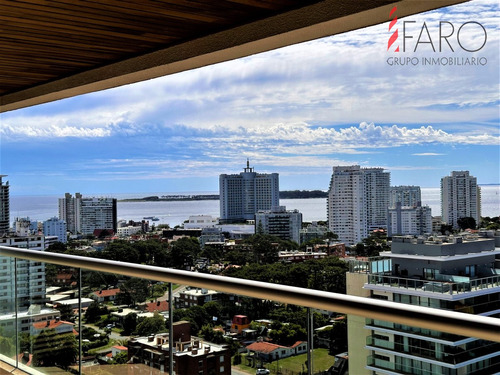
<point x="175" y="212"/>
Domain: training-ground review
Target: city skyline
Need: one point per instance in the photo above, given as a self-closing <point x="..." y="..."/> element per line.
<point x="297" y="111"/>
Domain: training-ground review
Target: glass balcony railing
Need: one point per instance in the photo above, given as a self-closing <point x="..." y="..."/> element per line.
<point x="442" y="287"/>
<point x="89" y="317"/>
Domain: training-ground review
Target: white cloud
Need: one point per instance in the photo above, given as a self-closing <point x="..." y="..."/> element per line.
<point x="428" y="154"/>
<point x="20" y="131"/>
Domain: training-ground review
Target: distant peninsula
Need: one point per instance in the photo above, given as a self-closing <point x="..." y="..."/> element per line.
<point x="286" y="194"/>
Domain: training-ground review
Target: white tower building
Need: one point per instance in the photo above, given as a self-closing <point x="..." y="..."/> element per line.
<point x="460" y="197"/>
<point x="358" y="199"/>
<point x="243" y="195"/>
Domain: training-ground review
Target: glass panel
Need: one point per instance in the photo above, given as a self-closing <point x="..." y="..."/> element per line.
<point x="7" y="311"/>
<point x="48" y="338"/>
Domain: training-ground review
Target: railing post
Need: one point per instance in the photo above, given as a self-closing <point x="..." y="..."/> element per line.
<point x="310" y="334"/>
<point x="80" y="320"/>
<point x="15" y="313"/>
<point x="170" y="332"/>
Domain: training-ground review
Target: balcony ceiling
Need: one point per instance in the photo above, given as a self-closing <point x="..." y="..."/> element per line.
<point x="55" y="49"/>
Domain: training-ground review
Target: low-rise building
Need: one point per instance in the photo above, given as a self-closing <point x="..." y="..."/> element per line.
<point x="200" y="221"/>
<point x="312" y="232"/>
<point x="192" y="355"/>
<point x="280" y="223"/>
<point x="25" y="319"/>
<point x="106" y="295"/>
<point x="270" y="352"/>
<point x="195" y="297"/>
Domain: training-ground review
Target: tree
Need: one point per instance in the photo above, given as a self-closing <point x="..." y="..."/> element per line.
<point x="184" y="252"/>
<point x="150" y="326"/>
<point x="50" y="349"/>
<point x="133" y="291"/>
<point x="66" y="313"/>
<point x="446" y="229"/>
<point x="6" y="346"/>
<point x="338" y="337"/>
<point x="466" y="223"/>
<point x="129" y="323"/>
<point x="213" y="309"/>
<point x="120" y="358"/>
<point x="208" y="333"/>
<point x="94" y="312"/>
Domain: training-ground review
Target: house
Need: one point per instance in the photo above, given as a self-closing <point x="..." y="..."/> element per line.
<point x="60" y="326"/>
<point x="152" y="307"/>
<point x="118" y="349"/>
<point x="106" y="295"/>
<point x="65" y="279"/>
<point x="271" y="352"/>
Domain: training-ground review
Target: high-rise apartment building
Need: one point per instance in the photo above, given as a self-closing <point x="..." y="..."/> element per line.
<point x="409" y="220"/>
<point x="280" y="223"/>
<point x="30" y="285"/>
<point x="55" y="227"/>
<point x="460" y="197"/>
<point x="70" y="211"/>
<point x="377" y="185"/>
<point x="98" y="213"/>
<point x="358" y="199"/>
<point x="84" y="215"/>
<point x="243" y="195"/>
<point x="408" y="196"/>
<point x="4" y="206"/>
<point x="451" y="273"/>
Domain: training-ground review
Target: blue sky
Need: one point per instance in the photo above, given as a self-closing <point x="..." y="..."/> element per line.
<point x="297" y="111"/>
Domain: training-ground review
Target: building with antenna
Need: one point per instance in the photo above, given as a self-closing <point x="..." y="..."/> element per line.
<point x="243" y="195"/>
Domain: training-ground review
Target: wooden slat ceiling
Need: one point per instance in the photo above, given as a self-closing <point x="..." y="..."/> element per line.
<point x="42" y="40"/>
<point x="50" y="49"/>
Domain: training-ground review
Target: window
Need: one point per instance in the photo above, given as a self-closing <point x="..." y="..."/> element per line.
<point x="222" y="369"/>
<point x="221" y="359"/>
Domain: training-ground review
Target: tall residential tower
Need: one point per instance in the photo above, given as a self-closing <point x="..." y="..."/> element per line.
<point x="84" y="215"/>
<point x="243" y="195"/>
<point x="4" y="206"/>
<point x="358" y="199"/>
<point x="460" y="197"/>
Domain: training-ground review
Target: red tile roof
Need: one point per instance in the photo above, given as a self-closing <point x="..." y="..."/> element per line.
<point x="156" y="306"/>
<point x="296" y="344"/>
<point x="107" y="292"/>
<point x="263" y="347"/>
<point x="52" y="324"/>
<point x="120" y="347"/>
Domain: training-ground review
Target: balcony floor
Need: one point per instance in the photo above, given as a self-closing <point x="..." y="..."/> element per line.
<point x="6" y="369"/>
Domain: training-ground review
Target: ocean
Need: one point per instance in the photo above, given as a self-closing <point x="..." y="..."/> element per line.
<point x="40" y="208"/>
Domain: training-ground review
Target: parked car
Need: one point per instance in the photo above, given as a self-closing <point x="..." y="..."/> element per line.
<point x="262" y="371"/>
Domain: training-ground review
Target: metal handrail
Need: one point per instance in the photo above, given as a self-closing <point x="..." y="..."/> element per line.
<point x="469" y="325"/>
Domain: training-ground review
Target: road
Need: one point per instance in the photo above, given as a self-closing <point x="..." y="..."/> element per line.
<point x="235" y="371"/>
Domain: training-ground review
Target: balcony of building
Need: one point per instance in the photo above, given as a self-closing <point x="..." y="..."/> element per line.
<point x="382" y="277"/>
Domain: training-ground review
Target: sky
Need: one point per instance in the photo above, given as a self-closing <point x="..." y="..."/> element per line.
<point x="422" y="112"/>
